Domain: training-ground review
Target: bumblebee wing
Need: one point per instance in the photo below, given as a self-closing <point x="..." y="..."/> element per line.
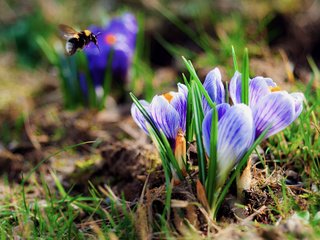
<point x="67" y="31"/>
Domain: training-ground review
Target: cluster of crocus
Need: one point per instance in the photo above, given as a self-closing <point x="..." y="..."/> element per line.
<point x="239" y="125"/>
<point x="117" y="42"/>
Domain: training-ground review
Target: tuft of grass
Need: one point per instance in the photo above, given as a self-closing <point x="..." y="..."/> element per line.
<point x="300" y="142"/>
<point x="56" y="214"/>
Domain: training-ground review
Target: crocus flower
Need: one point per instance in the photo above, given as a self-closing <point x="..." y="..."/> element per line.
<point x="270" y="106"/>
<point x="235" y="136"/>
<point x="214" y="86"/>
<point x="168" y="111"/>
<point x="117" y="42"/>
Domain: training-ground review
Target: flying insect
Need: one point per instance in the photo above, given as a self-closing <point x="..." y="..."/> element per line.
<point x="77" y="40"/>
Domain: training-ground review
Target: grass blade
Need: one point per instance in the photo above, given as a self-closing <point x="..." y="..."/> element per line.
<point x="198" y="118"/>
<point x="234" y="58"/>
<point x="245" y="78"/>
<point x="198" y="82"/>
<point x="212" y="170"/>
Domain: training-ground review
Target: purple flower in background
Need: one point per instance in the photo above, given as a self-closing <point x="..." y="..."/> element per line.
<point x="117" y="43"/>
<point x="269" y="105"/>
<point x="168" y="111"/>
<point x="235" y="136"/>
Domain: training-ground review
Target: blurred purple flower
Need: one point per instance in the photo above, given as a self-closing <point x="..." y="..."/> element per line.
<point x="117" y="43"/>
<point x="235" y="136"/>
<point x="168" y="111"/>
<point x="269" y="105"/>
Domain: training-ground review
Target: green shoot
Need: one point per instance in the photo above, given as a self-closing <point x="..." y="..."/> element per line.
<point x="213" y="160"/>
<point x="198" y="118"/>
<point x="245" y="78"/>
<point x="234" y="57"/>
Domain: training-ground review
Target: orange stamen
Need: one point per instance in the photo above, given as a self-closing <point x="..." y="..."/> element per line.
<point x="275" y="89"/>
<point x="110" y="39"/>
<point x="168" y="96"/>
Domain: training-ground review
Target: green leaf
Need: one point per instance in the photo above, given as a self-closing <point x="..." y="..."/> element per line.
<point x="189" y="117"/>
<point x="198" y="118"/>
<point x="48" y="50"/>
<point x="198" y="82"/>
<point x="82" y="63"/>
<point x="166" y="167"/>
<point x="213" y="160"/>
<point x="234" y="57"/>
<point x="162" y="151"/>
<point x="245" y="78"/>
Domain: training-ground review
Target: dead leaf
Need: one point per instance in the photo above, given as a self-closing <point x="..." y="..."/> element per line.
<point x="201" y="195"/>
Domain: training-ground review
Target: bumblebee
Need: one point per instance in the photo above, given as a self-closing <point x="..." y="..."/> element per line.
<point x="77" y="40"/>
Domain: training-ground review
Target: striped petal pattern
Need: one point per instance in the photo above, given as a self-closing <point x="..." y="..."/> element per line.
<point x="168" y="111"/>
<point x="138" y="117"/>
<point x="271" y="107"/>
<point x="214" y="86"/>
<point x="235" y="136"/>
<point x="277" y="110"/>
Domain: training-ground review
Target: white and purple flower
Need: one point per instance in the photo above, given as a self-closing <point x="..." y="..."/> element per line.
<point x="235" y="136"/>
<point x="238" y="125"/>
<point x="269" y="105"/>
<point x="168" y="112"/>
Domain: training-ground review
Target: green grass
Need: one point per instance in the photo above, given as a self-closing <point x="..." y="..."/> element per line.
<point x="300" y="142"/>
<point x="55" y="214"/>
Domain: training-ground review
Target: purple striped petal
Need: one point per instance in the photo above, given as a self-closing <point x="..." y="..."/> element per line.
<point x="258" y="87"/>
<point x="214" y="86"/>
<point x="138" y="117"/>
<point x="276" y="109"/>
<point x="165" y="116"/>
<point x="235" y="88"/>
<point x="235" y="137"/>
<point x="298" y="98"/>
<point x="270" y="82"/>
<point x="183" y="89"/>
<point x="222" y="109"/>
<point x="179" y="102"/>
